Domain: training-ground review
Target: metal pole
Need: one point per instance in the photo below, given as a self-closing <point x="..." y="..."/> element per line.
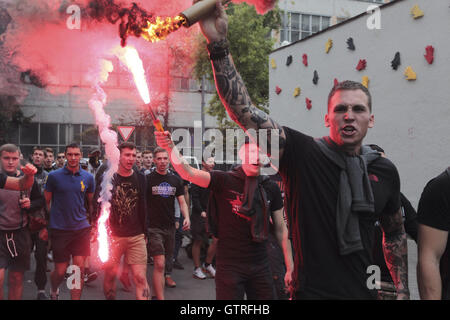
<point x="203" y="112"/>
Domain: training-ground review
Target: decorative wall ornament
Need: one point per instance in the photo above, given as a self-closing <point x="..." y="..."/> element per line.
<point x="297" y="91"/>
<point x="361" y="65"/>
<point x="350" y="44"/>
<point x="289" y="60"/>
<point x="278" y="90"/>
<point x="316" y="77"/>
<point x="305" y="59"/>
<point x="328" y="45"/>
<point x="410" y="74"/>
<point x="273" y="63"/>
<point x="308" y="104"/>
<point x="429" y="55"/>
<point x="396" y="62"/>
<point x="365" y="81"/>
<point x="417" y="12"/>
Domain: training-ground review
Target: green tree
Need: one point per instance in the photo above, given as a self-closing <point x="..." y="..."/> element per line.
<point x="250" y="46"/>
<point x="10" y="118"/>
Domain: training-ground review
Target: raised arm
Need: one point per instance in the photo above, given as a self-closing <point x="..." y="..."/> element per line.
<point x="396" y="252"/>
<point x="23" y="183"/>
<point x="229" y="84"/>
<point x="198" y="177"/>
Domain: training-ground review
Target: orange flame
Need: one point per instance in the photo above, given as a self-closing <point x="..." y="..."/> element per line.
<point x="161" y="28"/>
<point x="102" y="236"/>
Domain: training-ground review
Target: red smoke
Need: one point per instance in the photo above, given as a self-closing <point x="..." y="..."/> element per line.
<point x="261" y="6"/>
<point x="39" y="41"/>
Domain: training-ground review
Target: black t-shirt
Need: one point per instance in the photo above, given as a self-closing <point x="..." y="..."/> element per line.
<point x="124" y="219"/>
<point x="235" y="245"/>
<point x="434" y="211"/>
<point x="162" y="191"/>
<point x="312" y="187"/>
<point x="2" y="180"/>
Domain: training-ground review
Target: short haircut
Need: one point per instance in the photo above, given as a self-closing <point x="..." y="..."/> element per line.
<point x="38" y="148"/>
<point x="9" y="147"/>
<point x="376" y="148"/>
<point x="159" y="150"/>
<point x="147" y="152"/>
<point x="72" y="145"/>
<point x="127" y="145"/>
<point x="350" y="85"/>
<point x="49" y="150"/>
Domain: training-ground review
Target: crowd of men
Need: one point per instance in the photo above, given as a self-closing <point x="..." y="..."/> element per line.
<point x="342" y="211"/>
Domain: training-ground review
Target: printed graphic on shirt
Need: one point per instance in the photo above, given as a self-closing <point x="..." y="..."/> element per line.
<point x="124" y="201"/>
<point x="236" y="204"/>
<point x="82" y="186"/>
<point x="164" y="190"/>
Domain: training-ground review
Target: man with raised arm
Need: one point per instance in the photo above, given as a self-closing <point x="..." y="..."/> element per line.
<point x="336" y="188"/>
<point x="241" y="204"/>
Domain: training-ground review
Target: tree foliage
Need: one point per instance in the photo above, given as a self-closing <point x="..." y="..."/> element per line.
<point x="10" y="118"/>
<point x="250" y="46"/>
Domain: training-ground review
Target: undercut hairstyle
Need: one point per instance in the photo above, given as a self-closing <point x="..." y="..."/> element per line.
<point x="159" y="150"/>
<point x="350" y="85"/>
<point x="72" y="145"/>
<point x="127" y="145"/>
<point x="9" y="147"/>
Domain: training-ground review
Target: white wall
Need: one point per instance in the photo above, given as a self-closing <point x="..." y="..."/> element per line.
<point x="411" y="117"/>
<point x="332" y="8"/>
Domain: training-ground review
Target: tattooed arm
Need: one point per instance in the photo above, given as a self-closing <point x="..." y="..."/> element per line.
<point x="229" y="84"/>
<point x="396" y="252"/>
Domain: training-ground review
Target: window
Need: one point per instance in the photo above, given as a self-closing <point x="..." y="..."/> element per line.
<point x="55" y="135"/>
<point x="29" y="133"/>
<point x="49" y="133"/>
<point x="296" y="26"/>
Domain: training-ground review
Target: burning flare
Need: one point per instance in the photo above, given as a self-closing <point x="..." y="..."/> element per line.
<point x="161" y="28"/>
<point x="130" y="58"/>
<point x="109" y="138"/>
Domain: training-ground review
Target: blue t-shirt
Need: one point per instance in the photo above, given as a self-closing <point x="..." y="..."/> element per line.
<point x="68" y="211"/>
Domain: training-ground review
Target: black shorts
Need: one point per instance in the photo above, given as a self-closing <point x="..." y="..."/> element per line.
<point x="198" y="228"/>
<point x="66" y="243"/>
<point x="15" y="249"/>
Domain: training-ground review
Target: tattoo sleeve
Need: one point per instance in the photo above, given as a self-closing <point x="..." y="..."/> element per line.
<point x="235" y="97"/>
<point x="396" y="251"/>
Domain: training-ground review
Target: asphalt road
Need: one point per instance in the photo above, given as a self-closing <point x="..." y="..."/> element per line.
<point x="187" y="287"/>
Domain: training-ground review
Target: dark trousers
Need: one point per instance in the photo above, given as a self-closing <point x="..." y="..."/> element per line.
<point x="178" y="239"/>
<point x="277" y="266"/>
<point x="40" y="255"/>
<point x="253" y="280"/>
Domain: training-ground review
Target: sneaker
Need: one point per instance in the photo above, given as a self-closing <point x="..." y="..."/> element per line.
<point x="177" y="265"/>
<point x="90" y="277"/>
<point x="50" y="257"/>
<point x="170" y="283"/>
<point x="210" y="270"/>
<point x="198" y="274"/>
<point x="42" y="296"/>
<point x="126" y="283"/>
